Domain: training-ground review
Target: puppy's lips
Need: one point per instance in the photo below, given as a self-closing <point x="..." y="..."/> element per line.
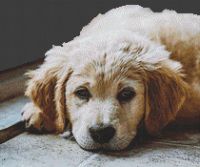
<point x="106" y="147"/>
<point x="103" y="147"/>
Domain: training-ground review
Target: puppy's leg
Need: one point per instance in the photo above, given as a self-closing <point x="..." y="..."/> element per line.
<point x="35" y="119"/>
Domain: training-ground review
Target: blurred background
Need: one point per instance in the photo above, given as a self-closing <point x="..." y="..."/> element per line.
<point x="28" y="28"/>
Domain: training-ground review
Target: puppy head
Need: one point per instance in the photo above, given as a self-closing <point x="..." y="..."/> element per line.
<point x="114" y="83"/>
<point x="105" y="103"/>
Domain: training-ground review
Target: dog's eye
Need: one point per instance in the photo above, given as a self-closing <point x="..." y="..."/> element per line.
<point x="126" y="94"/>
<point x="83" y="93"/>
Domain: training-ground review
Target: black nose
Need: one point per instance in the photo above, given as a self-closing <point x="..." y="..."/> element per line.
<point x="102" y="133"/>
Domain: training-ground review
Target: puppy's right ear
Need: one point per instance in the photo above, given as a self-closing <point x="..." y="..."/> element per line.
<point x="166" y="94"/>
<point x="46" y="89"/>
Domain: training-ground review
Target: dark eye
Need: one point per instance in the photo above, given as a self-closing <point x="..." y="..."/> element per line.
<point x="83" y="93"/>
<point x="126" y="94"/>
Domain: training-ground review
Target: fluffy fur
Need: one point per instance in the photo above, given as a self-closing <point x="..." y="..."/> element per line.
<point x="157" y="54"/>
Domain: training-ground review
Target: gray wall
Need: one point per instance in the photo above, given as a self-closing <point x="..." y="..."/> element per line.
<point x="29" y="27"/>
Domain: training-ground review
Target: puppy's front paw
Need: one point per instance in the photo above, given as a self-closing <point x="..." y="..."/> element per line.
<point x="33" y="117"/>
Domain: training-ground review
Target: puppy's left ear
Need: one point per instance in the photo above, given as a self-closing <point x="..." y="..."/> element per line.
<point x="46" y="89"/>
<point x="166" y="92"/>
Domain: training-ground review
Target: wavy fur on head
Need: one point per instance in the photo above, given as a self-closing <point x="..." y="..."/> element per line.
<point x="155" y="55"/>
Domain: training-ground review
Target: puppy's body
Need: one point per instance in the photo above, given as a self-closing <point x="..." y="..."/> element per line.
<point x="155" y="54"/>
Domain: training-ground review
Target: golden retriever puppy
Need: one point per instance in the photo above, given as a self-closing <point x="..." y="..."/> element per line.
<point x="127" y="66"/>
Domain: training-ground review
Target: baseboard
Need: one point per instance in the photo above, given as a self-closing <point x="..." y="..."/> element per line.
<point x="12" y="81"/>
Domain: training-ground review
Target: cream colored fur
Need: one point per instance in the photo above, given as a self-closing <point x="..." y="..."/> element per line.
<point x="157" y="54"/>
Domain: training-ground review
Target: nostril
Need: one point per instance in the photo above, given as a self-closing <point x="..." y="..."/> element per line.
<point x="102" y="134"/>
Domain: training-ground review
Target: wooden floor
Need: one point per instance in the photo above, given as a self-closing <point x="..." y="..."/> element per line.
<point x="172" y="149"/>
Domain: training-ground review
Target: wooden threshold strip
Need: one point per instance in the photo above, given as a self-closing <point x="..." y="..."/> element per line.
<point x="12" y="81"/>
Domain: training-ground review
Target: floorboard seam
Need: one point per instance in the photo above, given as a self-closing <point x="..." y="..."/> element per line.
<point x="88" y="160"/>
<point x="174" y="144"/>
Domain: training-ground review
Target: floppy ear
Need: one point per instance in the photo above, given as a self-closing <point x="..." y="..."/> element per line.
<point x="166" y="92"/>
<point x="46" y="89"/>
<point x="165" y="89"/>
